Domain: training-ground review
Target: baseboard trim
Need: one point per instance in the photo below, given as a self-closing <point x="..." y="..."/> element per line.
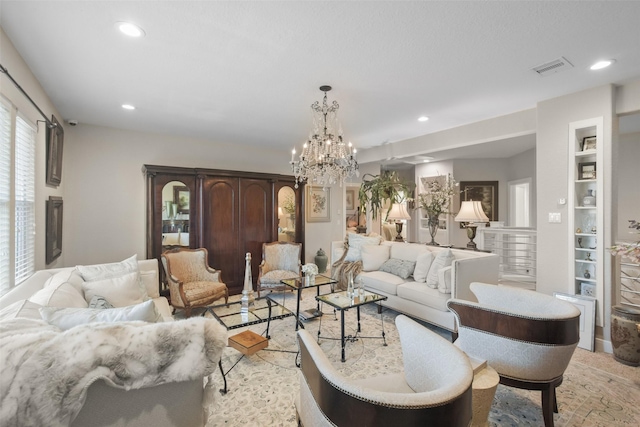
<point x="603" y="346"/>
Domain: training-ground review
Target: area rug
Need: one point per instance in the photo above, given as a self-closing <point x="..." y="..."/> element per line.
<point x="262" y="387"/>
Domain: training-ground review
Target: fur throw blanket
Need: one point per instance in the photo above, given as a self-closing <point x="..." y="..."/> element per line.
<point x="340" y="269"/>
<point x="45" y="372"/>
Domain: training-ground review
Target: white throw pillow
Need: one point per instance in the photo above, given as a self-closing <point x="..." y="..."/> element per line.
<point x="356" y="241"/>
<point x="373" y="256"/>
<point x="443" y="259"/>
<point x="91" y="273"/>
<point x="119" y="291"/>
<point x="407" y="251"/>
<point x="444" y="280"/>
<point x="423" y="264"/>
<point x="21" y="309"/>
<point x="67" y="276"/>
<point x="67" y="318"/>
<point x="60" y="295"/>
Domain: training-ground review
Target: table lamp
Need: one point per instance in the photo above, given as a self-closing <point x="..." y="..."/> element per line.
<point x="471" y="212"/>
<point x="398" y="213"/>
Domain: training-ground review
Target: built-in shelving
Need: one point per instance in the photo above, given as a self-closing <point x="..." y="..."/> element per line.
<point x="586" y="222"/>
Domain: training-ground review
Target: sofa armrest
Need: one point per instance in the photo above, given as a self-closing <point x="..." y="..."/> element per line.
<point x="473" y="269"/>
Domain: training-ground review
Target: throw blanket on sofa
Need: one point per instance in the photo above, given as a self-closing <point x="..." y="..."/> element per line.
<point x="45" y="372"/>
<point x="340" y="269"/>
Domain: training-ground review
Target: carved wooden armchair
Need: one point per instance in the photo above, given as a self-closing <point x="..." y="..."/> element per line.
<point x="280" y="260"/>
<point x="192" y="283"/>
<point x="526" y="336"/>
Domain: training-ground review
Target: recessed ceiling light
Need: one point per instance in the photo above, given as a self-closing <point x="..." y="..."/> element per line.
<point x="602" y="64"/>
<point x="132" y="30"/>
<point x="128" y="107"/>
<point x="423" y="119"/>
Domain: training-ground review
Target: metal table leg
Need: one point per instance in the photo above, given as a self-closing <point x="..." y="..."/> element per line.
<point x="342" y="338"/>
<point x="224" y="378"/>
<point x="298" y="321"/>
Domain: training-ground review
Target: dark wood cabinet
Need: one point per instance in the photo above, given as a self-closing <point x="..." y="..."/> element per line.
<point x="230" y="213"/>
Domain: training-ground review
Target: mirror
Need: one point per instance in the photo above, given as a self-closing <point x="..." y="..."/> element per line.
<point x="175" y="215"/>
<point x="355" y="221"/>
<point x="286" y="215"/>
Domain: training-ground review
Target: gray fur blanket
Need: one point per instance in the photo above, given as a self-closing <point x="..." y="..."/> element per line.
<point x="45" y="372"/>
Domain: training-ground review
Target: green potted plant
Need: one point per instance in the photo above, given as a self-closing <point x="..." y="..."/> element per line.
<point x="381" y="191"/>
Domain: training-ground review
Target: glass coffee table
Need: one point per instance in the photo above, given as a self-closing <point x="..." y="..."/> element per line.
<point x="230" y="315"/>
<point x="342" y="302"/>
<point x="299" y="283"/>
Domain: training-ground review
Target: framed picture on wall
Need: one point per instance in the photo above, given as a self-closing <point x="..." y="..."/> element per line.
<point x="54" y="229"/>
<point x="318" y="204"/>
<point x="486" y="192"/>
<point x="589" y="143"/>
<point x="181" y="198"/>
<point x="587" y="170"/>
<point x="351" y="196"/>
<point x="55" y="140"/>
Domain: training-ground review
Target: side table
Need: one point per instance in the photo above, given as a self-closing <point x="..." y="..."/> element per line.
<point x="485" y="383"/>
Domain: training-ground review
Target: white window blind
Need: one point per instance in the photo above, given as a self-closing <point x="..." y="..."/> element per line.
<point x="25" y="215"/>
<point x="5" y="198"/>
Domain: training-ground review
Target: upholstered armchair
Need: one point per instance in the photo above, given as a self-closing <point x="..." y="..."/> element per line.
<point x="192" y="283"/>
<point x="433" y="390"/>
<point x="280" y="260"/>
<point x="526" y="336"/>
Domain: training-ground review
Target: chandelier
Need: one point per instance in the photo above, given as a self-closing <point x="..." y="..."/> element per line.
<point x="325" y="158"/>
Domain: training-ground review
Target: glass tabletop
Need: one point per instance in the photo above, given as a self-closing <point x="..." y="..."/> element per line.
<point x="232" y="318"/>
<point x="341" y="301"/>
<point x="299" y="282"/>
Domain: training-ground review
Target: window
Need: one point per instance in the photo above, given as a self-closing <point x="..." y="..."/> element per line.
<point x="17" y="198"/>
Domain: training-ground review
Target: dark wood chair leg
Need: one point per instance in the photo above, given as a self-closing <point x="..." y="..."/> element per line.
<point x="555" y="401"/>
<point x="188" y="312"/>
<point x="548" y="399"/>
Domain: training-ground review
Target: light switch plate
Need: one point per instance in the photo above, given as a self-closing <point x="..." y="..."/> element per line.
<point x="555" y="217"/>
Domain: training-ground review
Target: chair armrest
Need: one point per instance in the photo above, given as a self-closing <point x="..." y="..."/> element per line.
<point x="517" y="326"/>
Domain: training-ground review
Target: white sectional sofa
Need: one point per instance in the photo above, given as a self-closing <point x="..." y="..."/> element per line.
<point x="169" y="404"/>
<point x="413" y="295"/>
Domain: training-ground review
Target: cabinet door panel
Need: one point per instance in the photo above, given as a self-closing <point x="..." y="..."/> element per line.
<point x="256" y="217"/>
<point x="220" y="226"/>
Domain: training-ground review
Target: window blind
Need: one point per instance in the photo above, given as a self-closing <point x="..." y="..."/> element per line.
<point x="25" y="228"/>
<point x="5" y="198"/>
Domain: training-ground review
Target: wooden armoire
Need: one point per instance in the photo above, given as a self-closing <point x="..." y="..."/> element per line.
<point x="228" y="212"/>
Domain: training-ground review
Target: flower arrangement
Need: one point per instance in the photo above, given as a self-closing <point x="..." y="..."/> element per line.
<point x="289" y="205"/>
<point x="435" y="200"/>
<point x="629" y="250"/>
<point x="310" y="269"/>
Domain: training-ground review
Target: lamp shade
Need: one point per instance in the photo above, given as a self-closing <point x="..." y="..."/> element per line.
<point x="398" y="212"/>
<point x="471" y="212"/>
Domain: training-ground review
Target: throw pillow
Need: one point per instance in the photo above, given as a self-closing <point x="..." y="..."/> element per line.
<point x="356" y="241"/>
<point x="66" y="276"/>
<point x="399" y="267"/>
<point x="150" y="281"/>
<point x="60" y="295"/>
<point x="444" y="280"/>
<point x="423" y="263"/>
<point x="119" y="291"/>
<point x="21" y="309"/>
<point x="91" y="273"/>
<point x="99" y="302"/>
<point x="67" y="318"/>
<point x="443" y="259"/>
<point x="373" y="256"/>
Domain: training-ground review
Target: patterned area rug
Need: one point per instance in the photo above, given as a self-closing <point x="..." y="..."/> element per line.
<point x="262" y="387"/>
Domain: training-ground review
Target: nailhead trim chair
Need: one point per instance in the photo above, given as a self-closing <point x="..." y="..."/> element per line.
<point x="192" y="283"/>
<point x="526" y="336"/>
<point x="433" y="390"/>
<point x="280" y="260"/>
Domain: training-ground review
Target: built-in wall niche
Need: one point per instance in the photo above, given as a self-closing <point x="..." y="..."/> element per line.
<point x="176" y="199"/>
<point x="286" y="214"/>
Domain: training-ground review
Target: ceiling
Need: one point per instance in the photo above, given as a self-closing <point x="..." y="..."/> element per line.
<point x="247" y="72"/>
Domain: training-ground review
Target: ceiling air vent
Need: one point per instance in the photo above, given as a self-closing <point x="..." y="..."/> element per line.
<point x="553" y="67"/>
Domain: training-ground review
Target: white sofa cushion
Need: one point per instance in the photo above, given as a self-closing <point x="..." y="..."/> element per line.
<point x="373" y="256"/>
<point x="380" y="281"/>
<point x="356" y="241"/>
<point x="443" y="259"/>
<point x="119" y="291"/>
<point x="423" y="263"/>
<point x="149" y="280"/>
<point x="61" y="295"/>
<point x="407" y="251"/>
<point x="423" y="294"/>
<point x="67" y="318"/>
<point x="21" y="309"/>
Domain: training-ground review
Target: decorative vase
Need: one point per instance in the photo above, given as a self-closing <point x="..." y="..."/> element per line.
<point x="350" y="285"/>
<point x="625" y="334"/>
<point x="432" y="223"/>
<point x="321" y="259"/>
<point x="589" y="199"/>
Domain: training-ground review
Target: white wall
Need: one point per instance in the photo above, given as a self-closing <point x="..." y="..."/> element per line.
<point x="17" y="68"/>
<point x="523" y="166"/>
